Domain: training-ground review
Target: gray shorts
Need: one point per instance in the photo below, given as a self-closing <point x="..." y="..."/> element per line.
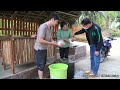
<point x="40" y="59"/>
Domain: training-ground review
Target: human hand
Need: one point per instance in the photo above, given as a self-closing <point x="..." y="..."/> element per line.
<point x="34" y="35"/>
<point x="73" y="35"/>
<point x="73" y="39"/>
<point x="53" y="43"/>
<point x="60" y="45"/>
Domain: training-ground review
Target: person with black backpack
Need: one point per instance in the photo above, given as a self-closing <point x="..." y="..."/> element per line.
<point x="95" y="40"/>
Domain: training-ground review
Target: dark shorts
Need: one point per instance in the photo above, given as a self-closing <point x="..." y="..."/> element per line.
<point x="40" y="59"/>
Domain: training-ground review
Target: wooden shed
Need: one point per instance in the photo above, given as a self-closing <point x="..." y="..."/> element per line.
<point x="16" y="27"/>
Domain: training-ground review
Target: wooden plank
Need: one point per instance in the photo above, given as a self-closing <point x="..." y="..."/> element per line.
<point x="14" y="30"/>
<point x="2" y="24"/>
<point x="18" y="53"/>
<point x="18" y="50"/>
<point x="26" y="27"/>
<point x="21" y="52"/>
<point x="26" y="51"/>
<point x="22" y="57"/>
<point x="17" y="32"/>
<point x="9" y="26"/>
<point x="12" y="56"/>
<point x="4" y="29"/>
<point x="5" y="26"/>
<point x="29" y="27"/>
<point x="34" y="28"/>
<point x="3" y="60"/>
<point x="12" y="27"/>
<point x="20" y="27"/>
<point x="23" y="26"/>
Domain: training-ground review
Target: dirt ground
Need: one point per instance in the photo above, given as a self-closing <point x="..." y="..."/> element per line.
<point x="109" y="69"/>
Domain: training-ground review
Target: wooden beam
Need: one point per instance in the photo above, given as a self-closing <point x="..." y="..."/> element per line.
<point x="67" y="13"/>
<point x="12" y="22"/>
<point x="39" y="15"/>
<point x="14" y="14"/>
<point x="26" y="15"/>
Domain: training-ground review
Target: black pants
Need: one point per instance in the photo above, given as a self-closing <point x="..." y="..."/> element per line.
<point x="64" y="52"/>
<point x="40" y="59"/>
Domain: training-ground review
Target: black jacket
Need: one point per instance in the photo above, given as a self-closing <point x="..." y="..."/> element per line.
<point x="93" y="35"/>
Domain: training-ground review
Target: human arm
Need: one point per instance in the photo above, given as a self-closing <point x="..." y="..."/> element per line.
<point x="79" y="32"/>
<point x="42" y="35"/>
<point x="99" y="40"/>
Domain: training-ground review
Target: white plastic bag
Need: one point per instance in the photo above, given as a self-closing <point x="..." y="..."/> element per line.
<point x="59" y="42"/>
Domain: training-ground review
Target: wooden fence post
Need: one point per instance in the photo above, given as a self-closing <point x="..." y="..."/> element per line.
<point x="3" y="61"/>
<point x="12" y="55"/>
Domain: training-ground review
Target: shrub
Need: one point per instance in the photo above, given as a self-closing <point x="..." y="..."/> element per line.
<point x="80" y="39"/>
<point x="116" y="34"/>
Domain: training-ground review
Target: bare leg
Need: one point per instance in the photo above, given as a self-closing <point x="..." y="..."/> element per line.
<point x="40" y="73"/>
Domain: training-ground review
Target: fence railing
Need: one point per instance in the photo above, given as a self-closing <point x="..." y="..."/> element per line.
<point x="20" y="50"/>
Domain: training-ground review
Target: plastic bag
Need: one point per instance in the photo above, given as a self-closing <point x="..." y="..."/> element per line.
<point x="59" y="42"/>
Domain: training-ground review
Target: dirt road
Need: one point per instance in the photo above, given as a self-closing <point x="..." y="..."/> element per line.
<point x="110" y="68"/>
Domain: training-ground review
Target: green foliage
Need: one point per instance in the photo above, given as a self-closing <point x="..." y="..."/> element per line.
<point x="100" y="20"/>
<point x="82" y="38"/>
<point x="118" y="27"/>
<point x="118" y="18"/>
<point x="118" y="14"/>
<point x="115" y="33"/>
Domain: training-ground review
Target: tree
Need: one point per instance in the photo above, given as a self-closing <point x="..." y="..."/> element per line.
<point x="109" y="17"/>
<point x="89" y="14"/>
<point x="118" y="19"/>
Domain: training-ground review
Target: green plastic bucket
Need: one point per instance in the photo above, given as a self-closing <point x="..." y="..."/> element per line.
<point x="58" y="71"/>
